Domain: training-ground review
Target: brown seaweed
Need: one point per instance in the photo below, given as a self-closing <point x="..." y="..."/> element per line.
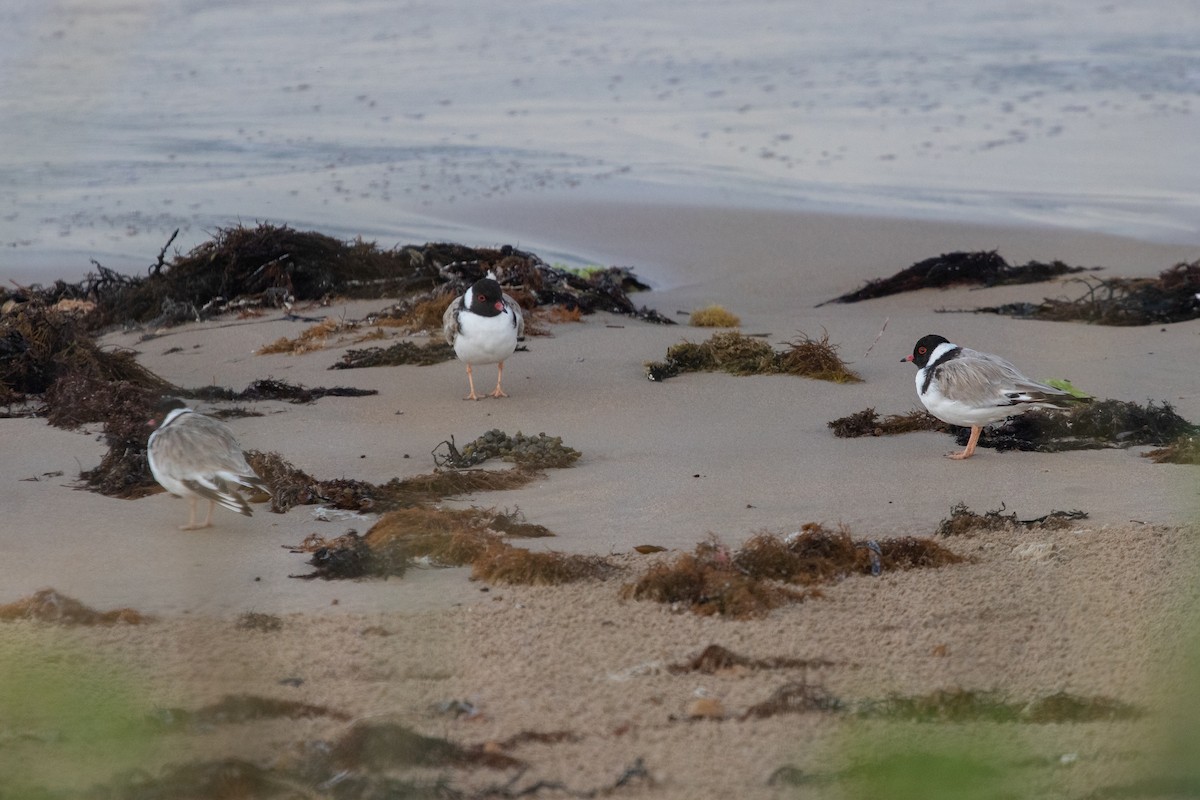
<point x="978" y="268"/>
<point x="1183" y="450"/>
<point x="739" y="354"/>
<point x="310" y="339"/>
<point x="1096" y="425"/>
<point x="47" y="605"/>
<point x="400" y="353"/>
<point x="963" y="520"/>
<point x="273" y="389"/>
<point x="1174" y="296"/>
<point x="447" y="537"/>
<point x="40" y="346"/>
<point x="795" y="698"/>
<point x="502" y="563"/>
<point x="351" y="556"/>
<point x="714" y="316"/>
<point x="868" y="423"/>
<point x="291" y="486"/>
<point x="530" y="452"/>
<point x="127" y="410"/>
<point x="276" y="266"/>
<point x="716" y="659"/>
<point x="757" y="578"/>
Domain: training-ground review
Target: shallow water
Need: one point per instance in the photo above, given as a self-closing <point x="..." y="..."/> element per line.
<point x="121" y="122"/>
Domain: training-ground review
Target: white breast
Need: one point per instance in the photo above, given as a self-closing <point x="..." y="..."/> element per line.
<point x="485" y="340"/>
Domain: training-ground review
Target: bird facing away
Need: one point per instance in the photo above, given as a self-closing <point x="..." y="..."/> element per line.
<point x="483" y="326"/>
<point x="196" y="457"/>
<point x="969" y="388"/>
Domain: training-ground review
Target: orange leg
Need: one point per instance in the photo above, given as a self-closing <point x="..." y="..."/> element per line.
<point x="191" y="525"/>
<point x="974" y="440"/>
<point x="499" y="374"/>
<point x="471" y="381"/>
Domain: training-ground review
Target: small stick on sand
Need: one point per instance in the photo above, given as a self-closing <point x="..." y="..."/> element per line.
<point x="881" y="330"/>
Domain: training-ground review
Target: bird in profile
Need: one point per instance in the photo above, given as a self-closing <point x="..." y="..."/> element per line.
<point x="483" y="326"/>
<point x="197" y="457"/>
<point x="968" y="388"/>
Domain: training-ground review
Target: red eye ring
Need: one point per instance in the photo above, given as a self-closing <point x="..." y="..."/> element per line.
<point x="921" y="350"/>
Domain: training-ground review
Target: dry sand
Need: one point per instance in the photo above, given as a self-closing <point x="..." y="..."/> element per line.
<point x="1097" y="609"/>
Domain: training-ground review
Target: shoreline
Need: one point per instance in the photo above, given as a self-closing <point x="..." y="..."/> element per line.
<point x="1092" y="610"/>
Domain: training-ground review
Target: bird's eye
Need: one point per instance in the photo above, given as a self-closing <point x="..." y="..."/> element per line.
<point x="921" y="350"/>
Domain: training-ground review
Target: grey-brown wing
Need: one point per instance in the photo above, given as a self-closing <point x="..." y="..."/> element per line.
<point x="982" y="379"/>
<point x="221" y="492"/>
<point x="450" y="326"/>
<point x="199" y="445"/>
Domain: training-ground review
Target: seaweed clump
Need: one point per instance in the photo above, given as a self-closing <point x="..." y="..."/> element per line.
<point x="529" y="452"/>
<point x="1086" y="426"/>
<point x="127" y="410"/>
<point x="41" y="346"/>
<point x="291" y="486"/>
<point x="739" y="354"/>
<point x="47" y="605"/>
<point x="977" y="268"/>
<point x="1174" y="296"/>
<point x="1184" y="450"/>
<point x="447" y="538"/>
<point x="714" y="316"/>
<point x="716" y="659"/>
<point x="798" y="697"/>
<point x="267" y="265"/>
<point x="313" y="338"/>
<point x="47" y="352"/>
<point x="963" y="520"/>
<point x="1097" y="425"/>
<point x="272" y="389"/>
<point x="242" y="268"/>
<point x="759" y="577"/>
<point x="123" y="471"/>
<point x="868" y="423"/>
<point x="400" y="353"/>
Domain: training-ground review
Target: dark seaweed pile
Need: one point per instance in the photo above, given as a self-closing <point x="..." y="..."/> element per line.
<point x="405" y="352"/>
<point x="275" y="266"/>
<point x="272" y="389"/>
<point x="1174" y="296"/>
<point x="963" y="520"/>
<point x="868" y="423"/>
<point x="530" y="452"/>
<point x="47" y="349"/>
<point x="41" y="346"/>
<point x="981" y="268"/>
<point x="1096" y="425"/>
<point x="1087" y="426"/>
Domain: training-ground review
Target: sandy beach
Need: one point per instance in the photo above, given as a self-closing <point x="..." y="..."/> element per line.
<point x="742" y="155"/>
<point x="1095" y="610"/>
